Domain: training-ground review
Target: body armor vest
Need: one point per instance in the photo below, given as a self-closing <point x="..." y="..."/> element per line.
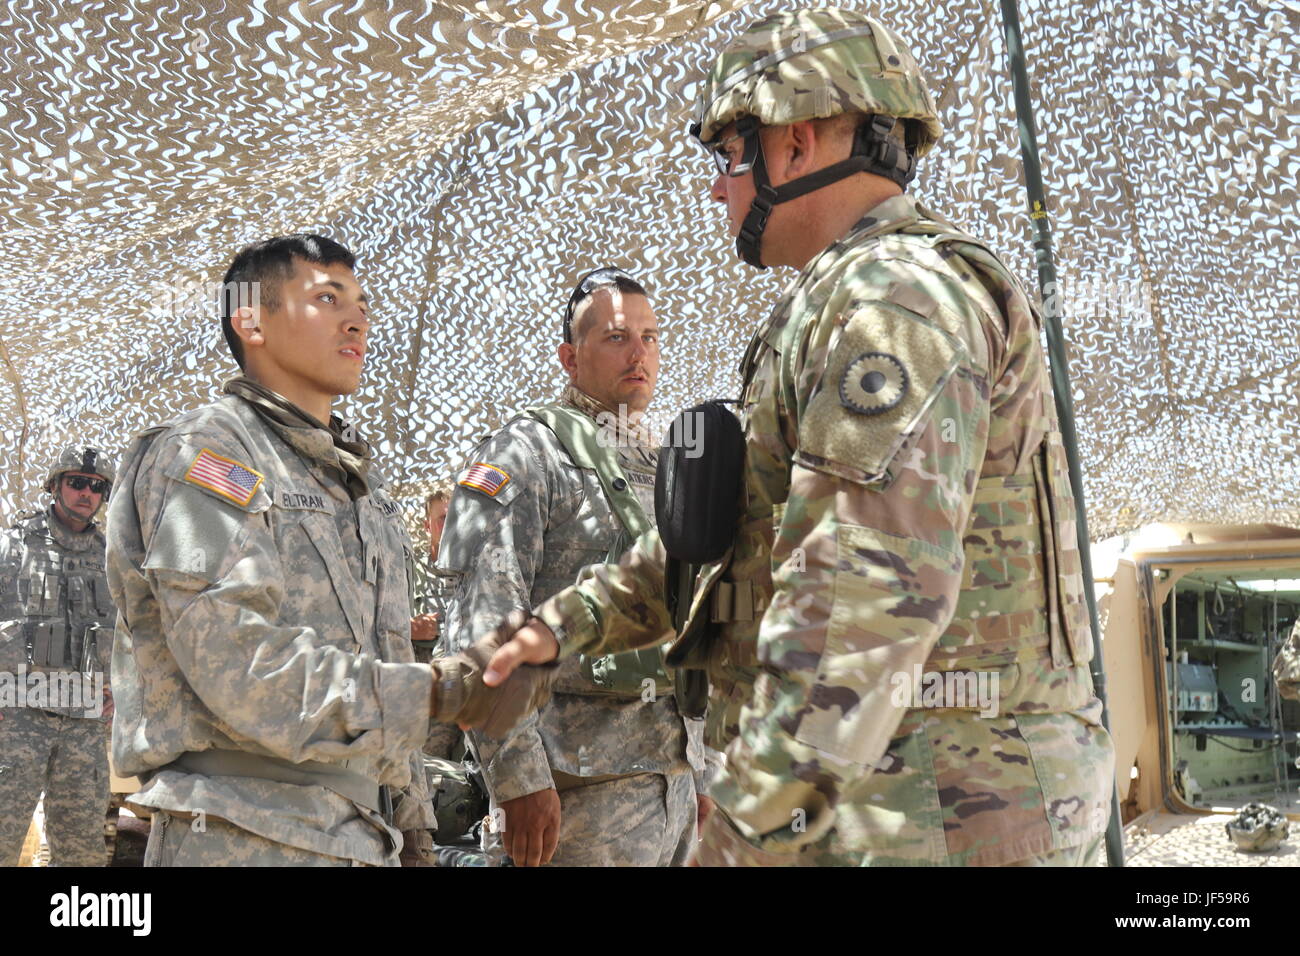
<point x="1020" y="539"/>
<point x="62" y="599"/>
<point x="621" y="675"/>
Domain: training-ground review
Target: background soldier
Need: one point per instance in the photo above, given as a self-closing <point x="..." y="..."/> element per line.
<point x="57" y="618"/>
<point x="906" y="503"/>
<point x="268" y="690"/>
<point x="605" y="769"/>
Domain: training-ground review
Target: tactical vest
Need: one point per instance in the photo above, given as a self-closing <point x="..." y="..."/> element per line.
<point x="1020" y="540"/>
<point x="63" y="600"/>
<point x="622" y="675"/>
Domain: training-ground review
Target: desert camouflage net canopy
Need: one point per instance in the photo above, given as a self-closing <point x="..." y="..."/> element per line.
<point x="478" y="156"/>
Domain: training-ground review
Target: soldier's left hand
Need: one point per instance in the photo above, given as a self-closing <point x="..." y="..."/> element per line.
<point x="417" y="848"/>
<point x="108" y="703"/>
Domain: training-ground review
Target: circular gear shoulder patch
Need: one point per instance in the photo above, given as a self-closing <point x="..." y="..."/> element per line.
<point x="873" y="383"/>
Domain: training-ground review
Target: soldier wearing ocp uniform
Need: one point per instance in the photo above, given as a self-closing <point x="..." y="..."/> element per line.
<point x="905" y="503"/>
<point x="57" y="618"/>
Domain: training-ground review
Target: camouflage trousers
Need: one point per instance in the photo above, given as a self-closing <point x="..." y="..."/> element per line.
<point x="67" y="759"/>
<point x="177" y="841"/>
<point x="1085" y="854"/>
<point x="646" y="819"/>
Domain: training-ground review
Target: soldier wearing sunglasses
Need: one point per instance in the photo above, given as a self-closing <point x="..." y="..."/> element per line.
<point x="56" y="635"/>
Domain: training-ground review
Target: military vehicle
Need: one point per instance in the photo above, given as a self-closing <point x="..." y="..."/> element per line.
<point x="1193" y="617"/>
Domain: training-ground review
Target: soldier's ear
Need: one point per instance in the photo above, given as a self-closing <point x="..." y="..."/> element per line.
<point x="247" y="325"/>
<point x="568" y="358"/>
<point x="796" y="150"/>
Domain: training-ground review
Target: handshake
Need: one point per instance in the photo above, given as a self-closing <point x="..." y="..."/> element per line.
<point x="484" y="687"/>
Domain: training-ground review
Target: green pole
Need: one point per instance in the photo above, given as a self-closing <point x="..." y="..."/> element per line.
<point x="1059" y="370"/>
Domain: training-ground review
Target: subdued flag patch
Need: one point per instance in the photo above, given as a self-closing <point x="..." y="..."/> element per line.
<point x="488" y="479"/>
<point x="225" y="476"/>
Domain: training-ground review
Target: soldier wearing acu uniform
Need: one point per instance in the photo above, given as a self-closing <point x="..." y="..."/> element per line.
<point x="606" y="768"/>
<point x="57" y="620"/>
<point x="269" y="699"/>
<point x="906" y="508"/>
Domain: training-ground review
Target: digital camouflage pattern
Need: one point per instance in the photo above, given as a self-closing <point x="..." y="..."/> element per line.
<point x="190" y="842"/>
<point x="645" y="819"/>
<point x="55" y="604"/>
<point x="1286" y="666"/>
<point x="936" y="532"/>
<point x="433" y="588"/>
<point x="781" y="71"/>
<point x="514" y="550"/>
<point x="278" y="627"/>
<point x="87" y="461"/>
<point x="67" y="758"/>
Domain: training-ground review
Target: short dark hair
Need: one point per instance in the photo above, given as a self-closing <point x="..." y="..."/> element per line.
<point x="604" y="278"/>
<point x="268" y="263"/>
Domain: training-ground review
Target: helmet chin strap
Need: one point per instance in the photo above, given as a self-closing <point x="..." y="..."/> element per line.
<point x="873" y="152"/>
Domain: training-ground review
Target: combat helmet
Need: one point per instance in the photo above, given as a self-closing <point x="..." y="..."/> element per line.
<point x="90" y="461"/>
<point x="813" y="64"/>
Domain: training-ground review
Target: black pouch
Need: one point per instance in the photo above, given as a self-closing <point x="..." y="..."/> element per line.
<point x="697" y="485"/>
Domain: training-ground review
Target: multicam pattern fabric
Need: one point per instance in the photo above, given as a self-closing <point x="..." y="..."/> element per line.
<point x="518" y="548"/>
<point x="279" y="628"/>
<point x="779" y="71"/>
<point x="936" y="537"/>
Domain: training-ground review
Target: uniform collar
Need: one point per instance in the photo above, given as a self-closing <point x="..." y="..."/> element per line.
<point x="627" y="432"/>
<point x="893" y="215"/>
<point x="334" y="447"/>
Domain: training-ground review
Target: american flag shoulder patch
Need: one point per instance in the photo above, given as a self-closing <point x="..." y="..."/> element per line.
<point x="224" y="476"/>
<point x="483" y="477"/>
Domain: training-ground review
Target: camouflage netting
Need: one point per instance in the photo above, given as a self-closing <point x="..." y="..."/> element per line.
<point x="477" y="156"/>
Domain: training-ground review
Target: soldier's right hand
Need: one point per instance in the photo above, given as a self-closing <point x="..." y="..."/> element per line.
<point x="532" y="827"/>
<point x="461" y="696"/>
<point x="531" y="643"/>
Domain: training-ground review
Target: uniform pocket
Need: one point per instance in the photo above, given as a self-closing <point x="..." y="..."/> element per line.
<point x="1071" y="630"/>
<point x="103" y="598"/>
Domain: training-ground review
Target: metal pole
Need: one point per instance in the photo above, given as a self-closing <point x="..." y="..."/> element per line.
<point x="1059" y="371"/>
